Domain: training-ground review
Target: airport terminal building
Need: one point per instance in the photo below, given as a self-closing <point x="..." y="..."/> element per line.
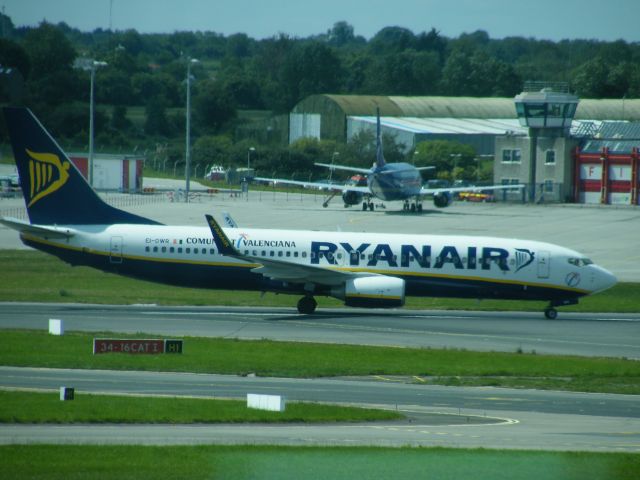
<point x="564" y="148"/>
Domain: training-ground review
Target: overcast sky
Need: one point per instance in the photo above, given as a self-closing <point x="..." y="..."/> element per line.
<point x="542" y="19"/>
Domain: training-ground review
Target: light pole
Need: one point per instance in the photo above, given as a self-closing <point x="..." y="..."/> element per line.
<point x="187" y="170"/>
<point x="93" y="66"/>
<point x="251" y="149"/>
<point x="333" y="157"/>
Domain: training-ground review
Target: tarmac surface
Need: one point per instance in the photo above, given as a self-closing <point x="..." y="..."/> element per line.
<point x="525" y="419"/>
<point x="480" y="417"/>
<point x="607" y="234"/>
<point x="589" y="335"/>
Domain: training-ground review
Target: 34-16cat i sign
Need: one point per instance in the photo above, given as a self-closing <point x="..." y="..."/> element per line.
<point x="136" y="346"/>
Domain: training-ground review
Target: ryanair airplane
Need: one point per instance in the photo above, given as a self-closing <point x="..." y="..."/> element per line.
<point x="69" y="220"/>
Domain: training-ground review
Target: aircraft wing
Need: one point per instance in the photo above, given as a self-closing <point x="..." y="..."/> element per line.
<point x="25" y="227"/>
<point x="280" y="269"/>
<point x="434" y="191"/>
<point x="364" y="171"/>
<point x="328" y="186"/>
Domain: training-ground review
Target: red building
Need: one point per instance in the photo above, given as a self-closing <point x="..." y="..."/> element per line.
<point x="607" y="167"/>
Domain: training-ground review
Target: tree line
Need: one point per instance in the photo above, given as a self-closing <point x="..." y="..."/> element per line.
<point x="141" y="91"/>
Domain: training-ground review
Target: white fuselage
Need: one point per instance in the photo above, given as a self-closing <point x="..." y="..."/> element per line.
<point x="431" y="265"/>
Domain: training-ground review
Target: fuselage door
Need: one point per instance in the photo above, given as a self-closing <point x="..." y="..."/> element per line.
<point x="544" y="264"/>
<point x="115" y="252"/>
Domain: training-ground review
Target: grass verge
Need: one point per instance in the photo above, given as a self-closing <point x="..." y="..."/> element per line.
<point x="307" y="360"/>
<point x="49" y="462"/>
<point x="29" y="407"/>
<point x="35" y="276"/>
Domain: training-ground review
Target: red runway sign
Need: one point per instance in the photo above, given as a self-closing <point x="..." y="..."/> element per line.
<point x="136" y="346"/>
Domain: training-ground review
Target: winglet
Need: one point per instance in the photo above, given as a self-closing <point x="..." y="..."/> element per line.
<point x="225" y="247"/>
<point x="229" y="220"/>
<point x="379" y="156"/>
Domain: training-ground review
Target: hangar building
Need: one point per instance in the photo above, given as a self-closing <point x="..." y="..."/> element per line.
<point x="327" y="116"/>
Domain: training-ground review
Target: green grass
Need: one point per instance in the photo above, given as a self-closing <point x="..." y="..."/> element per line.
<point x="311" y="463"/>
<point x="29" y="407"/>
<point x="35" y="276"/>
<point x="307" y="360"/>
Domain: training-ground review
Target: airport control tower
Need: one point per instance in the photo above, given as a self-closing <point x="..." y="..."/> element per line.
<point x="548" y="113"/>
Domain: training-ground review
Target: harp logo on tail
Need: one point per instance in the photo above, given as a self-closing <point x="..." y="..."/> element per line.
<point x="46" y="175"/>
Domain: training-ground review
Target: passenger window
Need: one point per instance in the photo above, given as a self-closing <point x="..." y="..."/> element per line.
<point x="147" y="249"/>
<point x="155" y="249"/>
<point x="295" y="254"/>
<point x="179" y="249"/>
<point x="272" y="253"/>
<point x="212" y="251"/>
<point x="195" y="250"/>
<point x="280" y="253"/>
<point x="188" y="250"/>
<point x="304" y="254"/>
<point x="171" y="249"/>
<point x="164" y="249"/>
<point x="264" y="253"/>
<point x="288" y="253"/>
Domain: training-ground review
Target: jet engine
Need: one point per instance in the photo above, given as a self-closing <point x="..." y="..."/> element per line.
<point x="372" y="292"/>
<point x="442" y="199"/>
<point x="351" y="198"/>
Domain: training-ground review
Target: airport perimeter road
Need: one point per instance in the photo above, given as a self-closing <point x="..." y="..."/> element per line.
<point x="438" y="416"/>
<point x="609" y="335"/>
<point x="606" y="234"/>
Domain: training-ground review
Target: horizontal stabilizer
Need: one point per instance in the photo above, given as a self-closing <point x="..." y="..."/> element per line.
<point x="25" y="227"/>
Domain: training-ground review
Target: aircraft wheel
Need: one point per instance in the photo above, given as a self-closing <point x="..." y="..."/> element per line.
<point x="413" y="207"/>
<point x="371" y="206"/>
<point x="551" y="313"/>
<point x="325" y="205"/>
<point x="364" y="206"/>
<point x="307" y="305"/>
<point x="419" y="207"/>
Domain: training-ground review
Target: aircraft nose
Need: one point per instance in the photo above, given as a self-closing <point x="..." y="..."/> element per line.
<point x="602" y="279"/>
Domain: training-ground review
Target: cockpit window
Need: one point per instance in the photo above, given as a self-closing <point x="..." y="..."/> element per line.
<point x="579" y="262"/>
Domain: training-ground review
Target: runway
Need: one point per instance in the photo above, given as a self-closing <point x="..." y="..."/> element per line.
<point x="610" y="335"/>
<point x="438" y="416"/>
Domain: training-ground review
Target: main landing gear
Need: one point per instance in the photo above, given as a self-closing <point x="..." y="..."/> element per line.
<point x="412" y="206"/>
<point x="307" y="305"/>
<point x="551" y="313"/>
<point x="368" y="205"/>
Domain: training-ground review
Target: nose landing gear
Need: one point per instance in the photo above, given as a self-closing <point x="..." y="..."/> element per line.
<point x="551" y="313"/>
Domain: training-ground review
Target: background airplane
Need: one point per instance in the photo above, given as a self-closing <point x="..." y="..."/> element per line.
<point x="389" y="182"/>
<point x="69" y="220"/>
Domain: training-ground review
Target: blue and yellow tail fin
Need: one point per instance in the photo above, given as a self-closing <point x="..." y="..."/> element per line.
<point x="55" y="192"/>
